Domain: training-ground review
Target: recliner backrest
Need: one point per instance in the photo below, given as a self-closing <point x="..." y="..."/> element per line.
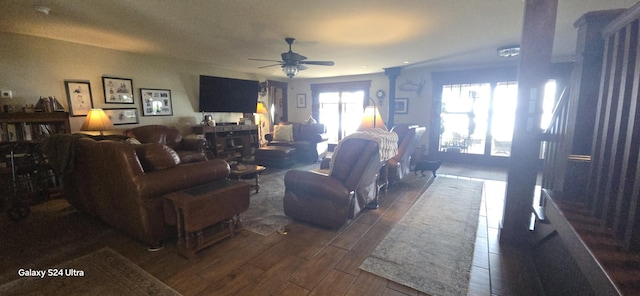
<point x="352" y="160"/>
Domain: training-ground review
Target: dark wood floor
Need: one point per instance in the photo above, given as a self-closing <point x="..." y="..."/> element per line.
<point x="310" y="260"/>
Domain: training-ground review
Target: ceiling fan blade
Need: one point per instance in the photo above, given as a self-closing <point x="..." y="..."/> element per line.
<point x="269" y="66"/>
<point x="263" y="60"/>
<point x="292" y="57"/>
<point x="302" y="67"/>
<point x="318" y="63"/>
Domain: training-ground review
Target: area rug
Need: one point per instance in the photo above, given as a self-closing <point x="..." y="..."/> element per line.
<point x="103" y="272"/>
<point x="431" y="247"/>
<point x="266" y="213"/>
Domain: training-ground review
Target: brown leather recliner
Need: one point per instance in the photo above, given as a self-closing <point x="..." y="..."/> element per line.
<point x="189" y="149"/>
<point x="408" y="139"/>
<point x="331" y="200"/>
<point x="124" y="184"/>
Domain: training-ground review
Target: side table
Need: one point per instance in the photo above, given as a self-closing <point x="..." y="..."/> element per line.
<point x="202" y="213"/>
<point x="247" y="171"/>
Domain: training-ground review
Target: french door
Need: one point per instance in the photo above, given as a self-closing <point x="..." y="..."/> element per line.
<point x="339" y="106"/>
<point x="340" y="112"/>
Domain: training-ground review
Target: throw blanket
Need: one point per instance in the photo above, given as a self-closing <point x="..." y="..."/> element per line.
<point x="387" y="143"/>
<point x="58" y="149"/>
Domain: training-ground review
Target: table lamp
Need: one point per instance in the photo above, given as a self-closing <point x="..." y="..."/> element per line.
<point x="96" y="120"/>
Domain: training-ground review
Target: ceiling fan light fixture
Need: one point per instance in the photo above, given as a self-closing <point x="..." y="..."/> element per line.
<point x="509" y="51"/>
<point x="290" y="70"/>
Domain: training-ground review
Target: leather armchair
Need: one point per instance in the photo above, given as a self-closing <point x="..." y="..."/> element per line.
<point x="408" y="139"/>
<point x="331" y="200"/>
<point x="188" y="149"/>
<point x="123" y="184"/>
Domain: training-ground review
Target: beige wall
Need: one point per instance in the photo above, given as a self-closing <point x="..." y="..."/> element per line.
<point x="419" y="103"/>
<point x="34" y="67"/>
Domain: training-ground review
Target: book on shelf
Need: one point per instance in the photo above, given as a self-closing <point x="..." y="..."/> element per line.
<point x="12" y="135"/>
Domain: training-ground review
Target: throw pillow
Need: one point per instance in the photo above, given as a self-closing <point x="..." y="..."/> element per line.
<point x="283" y="133"/>
<point x="311" y="120"/>
<point x="133" y="141"/>
<point x="156" y="156"/>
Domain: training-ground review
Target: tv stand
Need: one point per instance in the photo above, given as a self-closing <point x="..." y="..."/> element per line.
<point x="231" y="141"/>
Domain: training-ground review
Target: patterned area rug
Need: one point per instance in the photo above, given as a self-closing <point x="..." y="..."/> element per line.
<point x="103" y="272"/>
<point x="266" y="213"/>
<point x="431" y="248"/>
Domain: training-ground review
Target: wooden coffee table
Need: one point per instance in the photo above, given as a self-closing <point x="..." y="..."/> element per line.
<point x="247" y="171"/>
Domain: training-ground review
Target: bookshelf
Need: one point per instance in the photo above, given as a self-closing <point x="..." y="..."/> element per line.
<point x="25" y="176"/>
<point x="230" y="141"/>
<point x="25" y="127"/>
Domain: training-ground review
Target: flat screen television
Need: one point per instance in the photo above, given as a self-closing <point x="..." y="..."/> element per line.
<point x="220" y="94"/>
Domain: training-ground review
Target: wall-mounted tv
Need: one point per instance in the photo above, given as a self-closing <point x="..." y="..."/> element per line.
<point x="220" y="94"/>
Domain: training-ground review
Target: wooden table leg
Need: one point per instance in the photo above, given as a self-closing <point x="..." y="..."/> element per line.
<point x="257" y="182"/>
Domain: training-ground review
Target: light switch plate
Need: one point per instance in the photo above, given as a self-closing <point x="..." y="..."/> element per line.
<point x="6" y="94"/>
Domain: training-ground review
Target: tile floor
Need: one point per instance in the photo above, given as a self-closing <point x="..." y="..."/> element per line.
<point x="498" y="269"/>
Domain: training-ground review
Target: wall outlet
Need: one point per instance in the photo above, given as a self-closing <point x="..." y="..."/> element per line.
<point x="6" y="94"/>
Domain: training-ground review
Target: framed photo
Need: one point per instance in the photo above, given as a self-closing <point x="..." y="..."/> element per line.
<point x="117" y="90"/>
<point x="79" y="97"/>
<point x="401" y="106"/>
<point x="122" y="115"/>
<point x="156" y="102"/>
<point x="302" y="100"/>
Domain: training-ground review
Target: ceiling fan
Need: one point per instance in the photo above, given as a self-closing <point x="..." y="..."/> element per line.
<point x="293" y="62"/>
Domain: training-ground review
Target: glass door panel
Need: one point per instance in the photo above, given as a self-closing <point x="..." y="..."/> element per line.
<point x="341" y="113"/>
<point x="464" y="116"/>
<point x="503" y="120"/>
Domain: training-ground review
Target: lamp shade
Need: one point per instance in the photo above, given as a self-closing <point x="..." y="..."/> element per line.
<point x="371" y="119"/>
<point x="261" y="109"/>
<point x="96" y="120"/>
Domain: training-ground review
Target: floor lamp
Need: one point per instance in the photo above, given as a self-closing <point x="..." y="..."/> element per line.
<point x="260" y="109"/>
<point x="371" y="119"/>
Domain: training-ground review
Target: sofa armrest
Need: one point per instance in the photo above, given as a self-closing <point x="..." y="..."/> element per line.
<point x="158" y="183"/>
<point x="316" y="185"/>
<point x="321" y="137"/>
<point x="193" y="144"/>
<point x="268" y="137"/>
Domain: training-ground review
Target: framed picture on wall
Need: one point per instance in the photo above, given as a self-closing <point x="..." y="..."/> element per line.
<point x="122" y="115"/>
<point x="79" y="97"/>
<point x="401" y="106"/>
<point x="156" y="102"/>
<point x="302" y="100"/>
<point x="117" y="90"/>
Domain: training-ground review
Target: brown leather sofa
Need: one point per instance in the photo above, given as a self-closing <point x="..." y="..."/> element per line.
<point x="310" y="141"/>
<point x="399" y="166"/>
<point x="331" y="200"/>
<point x="123" y="184"/>
<point x="188" y="149"/>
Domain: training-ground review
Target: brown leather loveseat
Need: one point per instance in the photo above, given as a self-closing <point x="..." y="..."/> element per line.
<point x="123" y="184"/>
<point x="309" y="139"/>
<point x="188" y="149"/>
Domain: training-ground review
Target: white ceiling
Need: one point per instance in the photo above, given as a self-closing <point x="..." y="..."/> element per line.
<point x="361" y="36"/>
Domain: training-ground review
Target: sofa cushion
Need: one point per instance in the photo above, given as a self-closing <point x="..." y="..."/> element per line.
<point x="156" y="156"/>
<point x="283" y="133"/>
